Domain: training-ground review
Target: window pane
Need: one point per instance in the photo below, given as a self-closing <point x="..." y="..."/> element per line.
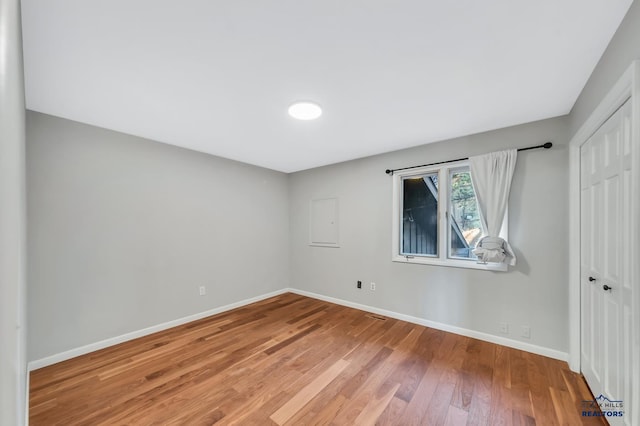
<point x="465" y="230"/>
<point x="419" y="232"/>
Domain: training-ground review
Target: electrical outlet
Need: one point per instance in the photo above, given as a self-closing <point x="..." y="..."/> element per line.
<point x="504" y="328"/>
<point x="373" y="286"/>
<point x="203" y="290"/>
<point x="526" y="331"/>
<point x="359" y="284"/>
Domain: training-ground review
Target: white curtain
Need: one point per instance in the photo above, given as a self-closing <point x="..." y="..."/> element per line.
<point x="491" y="177"/>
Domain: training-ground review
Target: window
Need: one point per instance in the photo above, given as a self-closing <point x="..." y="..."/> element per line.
<point x="436" y="218"/>
<point x="465" y="229"/>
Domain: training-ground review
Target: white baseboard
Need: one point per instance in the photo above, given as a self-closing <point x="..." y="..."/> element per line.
<point x="92" y="347"/>
<point x="528" y="347"/>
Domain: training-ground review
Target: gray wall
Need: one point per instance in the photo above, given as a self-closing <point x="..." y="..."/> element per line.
<point x="533" y="293"/>
<point x="123" y="231"/>
<point x="623" y="48"/>
<point x="13" y="374"/>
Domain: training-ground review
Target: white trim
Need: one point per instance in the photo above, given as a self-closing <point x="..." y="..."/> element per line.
<point x="451" y="262"/>
<point x="618" y="94"/>
<point x="616" y="97"/>
<point x="574" y="258"/>
<point x="539" y="350"/>
<point x="92" y="347"/>
<point x="628" y="86"/>
<point x="635" y="271"/>
<point x="528" y="347"/>
<point x="441" y="259"/>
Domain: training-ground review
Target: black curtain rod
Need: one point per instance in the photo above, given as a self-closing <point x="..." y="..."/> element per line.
<point x="546" y="145"/>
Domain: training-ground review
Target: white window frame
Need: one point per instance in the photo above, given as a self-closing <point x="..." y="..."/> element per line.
<point x="442" y="258"/>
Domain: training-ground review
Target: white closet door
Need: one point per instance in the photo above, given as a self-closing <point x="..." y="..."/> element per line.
<point x="605" y="265"/>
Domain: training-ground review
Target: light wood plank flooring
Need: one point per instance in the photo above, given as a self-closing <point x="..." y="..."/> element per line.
<point x="300" y="361"/>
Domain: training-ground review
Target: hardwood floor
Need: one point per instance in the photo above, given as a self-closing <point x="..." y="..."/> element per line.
<point x="295" y="360"/>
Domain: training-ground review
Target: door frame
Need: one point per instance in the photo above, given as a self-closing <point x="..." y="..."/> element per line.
<point x="627" y="87"/>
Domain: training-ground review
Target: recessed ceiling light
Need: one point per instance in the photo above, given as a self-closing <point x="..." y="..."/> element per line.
<point x="305" y="110"/>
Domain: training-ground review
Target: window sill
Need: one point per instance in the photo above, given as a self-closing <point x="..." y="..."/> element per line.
<point x="452" y="263"/>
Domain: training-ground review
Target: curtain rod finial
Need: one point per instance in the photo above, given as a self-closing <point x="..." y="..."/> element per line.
<point x="547" y="145"/>
<point x="388" y="171"/>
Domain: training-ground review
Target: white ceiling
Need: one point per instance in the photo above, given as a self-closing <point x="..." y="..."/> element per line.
<point x="218" y="76"/>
